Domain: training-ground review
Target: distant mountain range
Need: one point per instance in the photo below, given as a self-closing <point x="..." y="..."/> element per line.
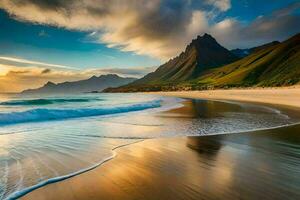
<point x="92" y="84"/>
<point x="206" y="64"/>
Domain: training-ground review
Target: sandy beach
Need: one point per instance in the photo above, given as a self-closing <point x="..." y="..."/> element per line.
<point x="257" y="164"/>
<point x="287" y="96"/>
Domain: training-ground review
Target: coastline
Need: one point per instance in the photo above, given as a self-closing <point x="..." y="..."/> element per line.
<point x="21" y="193"/>
<point x="207" y="167"/>
<point x="118" y="179"/>
<point x="283" y="96"/>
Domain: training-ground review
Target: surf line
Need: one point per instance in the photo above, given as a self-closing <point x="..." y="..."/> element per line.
<point x="23" y="192"/>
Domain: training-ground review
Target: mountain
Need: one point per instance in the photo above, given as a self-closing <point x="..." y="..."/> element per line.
<point x="270" y="65"/>
<point x="92" y="84"/>
<point x="241" y="53"/>
<point x="273" y="64"/>
<point x="201" y="54"/>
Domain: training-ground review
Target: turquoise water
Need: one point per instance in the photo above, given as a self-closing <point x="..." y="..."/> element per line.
<point x="51" y="137"/>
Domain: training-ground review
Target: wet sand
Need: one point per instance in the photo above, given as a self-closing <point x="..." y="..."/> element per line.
<point x="254" y="165"/>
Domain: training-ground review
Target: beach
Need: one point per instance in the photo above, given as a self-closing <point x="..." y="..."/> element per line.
<point x="149" y="100"/>
<point x="248" y="165"/>
<point x="241" y="166"/>
<point x="287" y="96"/>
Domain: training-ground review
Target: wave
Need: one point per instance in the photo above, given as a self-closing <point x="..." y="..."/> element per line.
<point x="37" y="102"/>
<point x="44" y="114"/>
<point x="20" y="193"/>
<point x="117" y="137"/>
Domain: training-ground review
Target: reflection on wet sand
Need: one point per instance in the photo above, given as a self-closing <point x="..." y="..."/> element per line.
<point x="202" y="109"/>
<point x="254" y="165"/>
<point x="261" y="164"/>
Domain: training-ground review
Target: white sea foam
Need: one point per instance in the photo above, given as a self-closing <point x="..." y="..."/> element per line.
<point x="25" y="191"/>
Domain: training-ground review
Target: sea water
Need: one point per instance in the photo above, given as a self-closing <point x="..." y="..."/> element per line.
<point x="49" y="138"/>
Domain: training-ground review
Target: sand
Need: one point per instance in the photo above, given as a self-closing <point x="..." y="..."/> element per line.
<point x="254" y="165"/>
<point x="287" y="96"/>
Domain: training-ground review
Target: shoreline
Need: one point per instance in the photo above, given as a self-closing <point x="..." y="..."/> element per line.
<point x="183" y="111"/>
<point x="99" y="183"/>
<point x="40" y="191"/>
<point x="25" y="191"/>
<point x="281" y="96"/>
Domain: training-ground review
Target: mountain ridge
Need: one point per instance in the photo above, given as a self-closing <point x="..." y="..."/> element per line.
<point x="272" y="64"/>
<point x="193" y="61"/>
<point x="91" y="84"/>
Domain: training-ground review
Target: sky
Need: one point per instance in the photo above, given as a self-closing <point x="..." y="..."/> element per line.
<point x="64" y="40"/>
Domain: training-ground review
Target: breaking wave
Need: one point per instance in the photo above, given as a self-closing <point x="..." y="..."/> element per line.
<point x="45" y="114"/>
<point x="37" y="102"/>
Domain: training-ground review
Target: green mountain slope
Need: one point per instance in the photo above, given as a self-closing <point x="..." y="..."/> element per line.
<point x="270" y="65"/>
<point x="277" y="65"/>
<point x="201" y="54"/>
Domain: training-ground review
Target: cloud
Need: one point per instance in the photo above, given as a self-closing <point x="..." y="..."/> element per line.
<point x="287" y="10"/>
<point x="159" y="28"/>
<point x="45" y="71"/>
<point x="136" y="72"/>
<point x="222" y="5"/>
<point x="17" y="79"/>
<point x="278" y="25"/>
<point x="24" y="62"/>
<point x="43" y="33"/>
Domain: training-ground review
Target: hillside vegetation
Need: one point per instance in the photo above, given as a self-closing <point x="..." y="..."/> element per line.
<point x="273" y="65"/>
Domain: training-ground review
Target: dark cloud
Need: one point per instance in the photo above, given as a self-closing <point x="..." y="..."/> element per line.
<point x="46" y="71"/>
<point x="159" y="28"/>
<point x="169" y="18"/>
<point x="44" y="4"/>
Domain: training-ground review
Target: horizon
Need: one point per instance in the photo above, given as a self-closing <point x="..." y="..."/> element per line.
<point x="50" y="45"/>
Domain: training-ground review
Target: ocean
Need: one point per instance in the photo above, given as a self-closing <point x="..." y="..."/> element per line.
<point x="44" y="139"/>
